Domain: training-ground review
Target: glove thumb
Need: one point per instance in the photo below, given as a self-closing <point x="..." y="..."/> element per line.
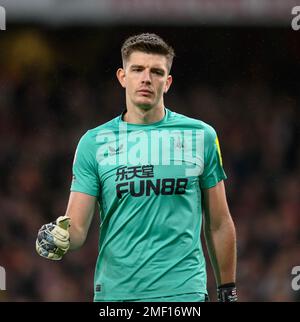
<point x="63" y="222"/>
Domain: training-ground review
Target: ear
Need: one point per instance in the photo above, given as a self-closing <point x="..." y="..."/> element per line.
<point x="121" y="77"/>
<point x="168" y="83"/>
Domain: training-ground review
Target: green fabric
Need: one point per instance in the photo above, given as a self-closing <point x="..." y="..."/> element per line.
<point x="148" y="181"/>
<point x="191" y="297"/>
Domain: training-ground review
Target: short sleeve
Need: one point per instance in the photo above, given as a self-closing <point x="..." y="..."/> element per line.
<point x="85" y="169"/>
<point x="213" y="168"/>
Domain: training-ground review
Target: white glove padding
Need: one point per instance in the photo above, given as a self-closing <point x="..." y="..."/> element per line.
<point x="53" y="239"/>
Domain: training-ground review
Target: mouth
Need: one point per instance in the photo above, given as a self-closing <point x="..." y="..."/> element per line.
<point x="145" y="92"/>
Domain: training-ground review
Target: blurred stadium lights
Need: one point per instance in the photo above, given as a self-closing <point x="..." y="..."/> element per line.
<point x="175" y="12"/>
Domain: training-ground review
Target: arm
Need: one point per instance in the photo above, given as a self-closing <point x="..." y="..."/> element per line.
<point x="69" y="231"/>
<point x="80" y="209"/>
<point x="220" y="234"/>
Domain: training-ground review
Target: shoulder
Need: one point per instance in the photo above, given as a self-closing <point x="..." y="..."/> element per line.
<point x="90" y="136"/>
<point x="189" y="122"/>
<point x="111" y="125"/>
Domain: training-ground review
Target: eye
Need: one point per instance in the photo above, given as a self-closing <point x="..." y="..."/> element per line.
<point x="136" y="69"/>
<point x="158" y="72"/>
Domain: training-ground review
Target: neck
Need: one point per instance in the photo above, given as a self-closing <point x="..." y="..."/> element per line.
<point x="137" y="115"/>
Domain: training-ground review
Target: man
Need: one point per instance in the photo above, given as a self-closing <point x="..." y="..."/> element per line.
<point x="150" y="170"/>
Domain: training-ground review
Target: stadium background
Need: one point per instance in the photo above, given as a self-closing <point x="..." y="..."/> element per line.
<point x="237" y="68"/>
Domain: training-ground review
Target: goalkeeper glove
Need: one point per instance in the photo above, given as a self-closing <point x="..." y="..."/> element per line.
<point x="227" y="293"/>
<point x="53" y="239"/>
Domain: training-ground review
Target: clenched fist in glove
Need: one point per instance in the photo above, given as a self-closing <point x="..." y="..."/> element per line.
<point x="53" y="239"/>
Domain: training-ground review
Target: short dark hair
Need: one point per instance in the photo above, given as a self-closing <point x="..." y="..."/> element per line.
<point x="147" y="43"/>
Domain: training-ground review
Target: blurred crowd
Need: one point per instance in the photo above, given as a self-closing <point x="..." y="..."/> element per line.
<point x="48" y="100"/>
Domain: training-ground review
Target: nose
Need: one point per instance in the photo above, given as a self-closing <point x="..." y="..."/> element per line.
<point x="146" y="78"/>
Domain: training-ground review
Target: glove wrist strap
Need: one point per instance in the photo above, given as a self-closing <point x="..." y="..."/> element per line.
<point x="227" y="292"/>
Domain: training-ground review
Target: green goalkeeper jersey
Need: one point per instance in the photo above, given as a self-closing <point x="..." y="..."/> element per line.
<point x="148" y="180"/>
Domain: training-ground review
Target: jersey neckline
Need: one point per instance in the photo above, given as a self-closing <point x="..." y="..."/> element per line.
<point x="163" y="120"/>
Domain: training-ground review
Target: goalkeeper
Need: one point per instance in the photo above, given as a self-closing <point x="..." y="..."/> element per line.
<point x="153" y="196"/>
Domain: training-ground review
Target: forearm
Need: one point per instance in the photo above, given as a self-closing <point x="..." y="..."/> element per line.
<point x="80" y="209"/>
<point x="221" y="244"/>
<point x="77" y="237"/>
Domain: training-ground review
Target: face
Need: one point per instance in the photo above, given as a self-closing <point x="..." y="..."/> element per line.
<point x="145" y="78"/>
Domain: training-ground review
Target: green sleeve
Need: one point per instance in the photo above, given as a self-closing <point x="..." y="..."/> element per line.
<point x="85" y="168"/>
<point x="213" y="169"/>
